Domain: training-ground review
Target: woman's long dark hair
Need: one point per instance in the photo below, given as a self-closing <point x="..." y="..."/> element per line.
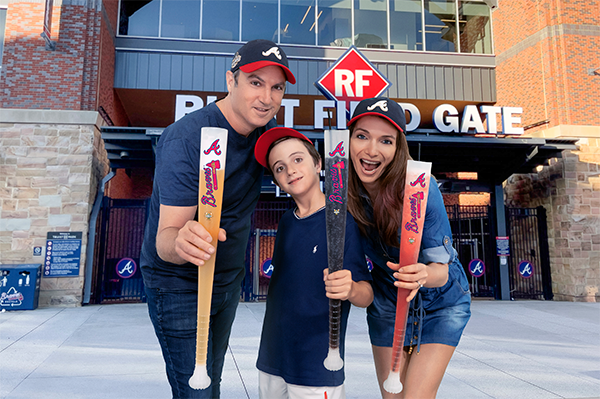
<point x="387" y="206"/>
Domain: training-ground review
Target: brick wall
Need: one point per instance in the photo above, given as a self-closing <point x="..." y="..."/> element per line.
<point x="78" y="75"/>
<point x="544" y="50"/>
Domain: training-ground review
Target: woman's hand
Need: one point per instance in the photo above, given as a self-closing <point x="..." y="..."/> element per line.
<point x="411" y="277"/>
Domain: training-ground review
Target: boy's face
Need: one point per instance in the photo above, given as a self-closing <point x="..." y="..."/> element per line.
<point x="293" y="168"/>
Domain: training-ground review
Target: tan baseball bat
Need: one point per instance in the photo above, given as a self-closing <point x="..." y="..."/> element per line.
<point x="213" y="151"/>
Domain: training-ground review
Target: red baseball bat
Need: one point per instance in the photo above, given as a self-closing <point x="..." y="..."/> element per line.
<point x="416" y="191"/>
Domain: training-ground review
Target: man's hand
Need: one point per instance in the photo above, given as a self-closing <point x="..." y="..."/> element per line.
<point x="181" y="239"/>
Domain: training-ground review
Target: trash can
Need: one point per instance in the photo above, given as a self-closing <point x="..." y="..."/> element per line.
<point x="20" y="286"/>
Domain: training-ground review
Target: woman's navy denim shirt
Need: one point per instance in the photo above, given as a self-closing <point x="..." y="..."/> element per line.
<point x="436" y="242"/>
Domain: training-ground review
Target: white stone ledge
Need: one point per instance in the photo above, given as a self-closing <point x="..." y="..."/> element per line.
<point x="56" y="117"/>
<point x="568" y="131"/>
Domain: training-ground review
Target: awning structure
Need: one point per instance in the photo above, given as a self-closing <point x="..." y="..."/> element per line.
<point x="130" y="147"/>
<point x="494" y="159"/>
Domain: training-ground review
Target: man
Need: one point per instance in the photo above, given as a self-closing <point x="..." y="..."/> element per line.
<point x="175" y="244"/>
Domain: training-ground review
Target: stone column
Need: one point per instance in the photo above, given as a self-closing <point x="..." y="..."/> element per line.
<point x="50" y="165"/>
<point x="569" y="189"/>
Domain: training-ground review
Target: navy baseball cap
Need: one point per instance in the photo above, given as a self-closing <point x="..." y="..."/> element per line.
<point x="264" y="142"/>
<point x="258" y="54"/>
<point x="383" y="107"/>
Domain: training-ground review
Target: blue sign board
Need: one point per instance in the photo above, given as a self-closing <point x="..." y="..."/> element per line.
<point x="63" y="254"/>
<point x="476" y="268"/>
<point x="525" y="269"/>
<point x="267" y="268"/>
<point x="502" y="248"/>
<point x="126" y="267"/>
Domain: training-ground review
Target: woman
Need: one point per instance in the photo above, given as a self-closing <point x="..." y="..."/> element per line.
<point x="441" y="305"/>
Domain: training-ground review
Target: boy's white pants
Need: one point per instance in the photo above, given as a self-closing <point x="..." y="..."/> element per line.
<point x="274" y="387"/>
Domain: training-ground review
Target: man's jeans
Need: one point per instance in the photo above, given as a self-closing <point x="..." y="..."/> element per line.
<point x="174" y="316"/>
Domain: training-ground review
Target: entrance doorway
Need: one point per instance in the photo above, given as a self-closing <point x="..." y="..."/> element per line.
<point x="117" y="275"/>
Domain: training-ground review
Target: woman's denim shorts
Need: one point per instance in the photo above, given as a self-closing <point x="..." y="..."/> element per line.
<point x="436" y="316"/>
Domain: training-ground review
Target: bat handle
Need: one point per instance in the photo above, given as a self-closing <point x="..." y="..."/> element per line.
<point x="393" y="384"/>
<point x="200" y="378"/>
<point x="333" y="361"/>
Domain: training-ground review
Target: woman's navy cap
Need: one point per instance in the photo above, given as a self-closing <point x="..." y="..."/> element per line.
<point x="383" y="107"/>
<point x="258" y="54"/>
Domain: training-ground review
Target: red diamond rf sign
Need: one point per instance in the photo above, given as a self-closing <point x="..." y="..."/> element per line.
<point x="352" y="78"/>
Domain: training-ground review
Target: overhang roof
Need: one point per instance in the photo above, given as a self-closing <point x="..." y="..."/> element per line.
<point x="494" y="159"/>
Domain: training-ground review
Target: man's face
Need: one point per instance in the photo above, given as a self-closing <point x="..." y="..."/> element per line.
<point x="256" y="97"/>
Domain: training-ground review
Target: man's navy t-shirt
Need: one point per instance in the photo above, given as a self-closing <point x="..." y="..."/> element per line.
<point x="176" y="184"/>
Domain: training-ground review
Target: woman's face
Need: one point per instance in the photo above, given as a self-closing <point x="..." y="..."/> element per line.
<point x="372" y="148"/>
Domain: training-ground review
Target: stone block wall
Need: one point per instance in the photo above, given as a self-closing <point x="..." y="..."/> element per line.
<point x="569" y="189"/>
<point x="51" y="163"/>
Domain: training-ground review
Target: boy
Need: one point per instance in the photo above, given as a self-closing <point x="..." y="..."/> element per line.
<point x="295" y="334"/>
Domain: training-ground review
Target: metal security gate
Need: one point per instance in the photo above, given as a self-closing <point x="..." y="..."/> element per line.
<point x="474" y="242"/>
<point x="474" y="237"/>
<point x="117" y="276"/>
<point x="529" y="260"/>
<point x="260" y="248"/>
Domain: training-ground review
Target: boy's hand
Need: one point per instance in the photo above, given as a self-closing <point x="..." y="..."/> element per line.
<point x="338" y="285"/>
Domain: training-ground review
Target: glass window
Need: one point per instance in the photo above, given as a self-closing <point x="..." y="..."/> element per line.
<point x="259" y="20"/>
<point x="298" y="24"/>
<point x="475" y="28"/>
<point x="139" y="18"/>
<point x="221" y="20"/>
<point x="2" y="27"/>
<point x="440" y="25"/>
<point x="370" y="23"/>
<point x="181" y="19"/>
<point x="335" y="23"/>
<point x="405" y="25"/>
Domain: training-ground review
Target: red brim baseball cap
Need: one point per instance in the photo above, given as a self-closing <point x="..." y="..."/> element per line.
<point x="289" y="76"/>
<point x="260" y="53"/>
<point x="264" y="142"/>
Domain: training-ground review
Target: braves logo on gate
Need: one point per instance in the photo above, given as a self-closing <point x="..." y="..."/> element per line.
<point x="214" y="147"/>
<point x="210" y="177"/>
<point x="336" y="181"/>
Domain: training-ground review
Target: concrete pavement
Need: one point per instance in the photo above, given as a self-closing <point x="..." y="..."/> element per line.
<point x="520" y="349"/>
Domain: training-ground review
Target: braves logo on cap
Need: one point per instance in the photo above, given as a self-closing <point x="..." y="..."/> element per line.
<point x="237" y="58"/>
<point x="272" y="50"/>
<point x="381" y="104"/>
